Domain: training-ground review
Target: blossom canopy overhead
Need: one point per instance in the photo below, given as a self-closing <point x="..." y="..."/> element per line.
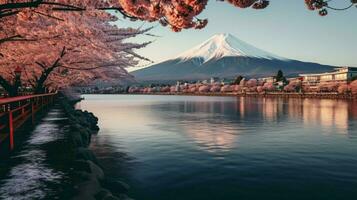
<point x="178" y="14"/>
<point x="62" y="49"/>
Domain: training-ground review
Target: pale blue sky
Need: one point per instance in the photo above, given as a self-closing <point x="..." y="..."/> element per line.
<point x="286" y="29"/>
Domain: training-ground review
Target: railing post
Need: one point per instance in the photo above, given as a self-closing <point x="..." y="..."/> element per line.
<point x="46" y="102"/>
<point x="11" y="129"/>
<point x="32" y="112"/>
<point x="20" y="108"/>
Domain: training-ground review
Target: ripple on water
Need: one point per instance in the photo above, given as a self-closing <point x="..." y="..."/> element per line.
<point x="30" y="179"/>
<point x="45" y="133"/>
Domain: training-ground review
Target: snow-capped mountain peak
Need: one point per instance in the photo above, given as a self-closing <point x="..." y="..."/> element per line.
<point x="224" y="56"/>
<point x="225" y="45"/>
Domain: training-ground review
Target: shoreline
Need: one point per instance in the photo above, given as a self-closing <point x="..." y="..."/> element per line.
<point x="255" y="95"/>
<point x="88" y="178"/>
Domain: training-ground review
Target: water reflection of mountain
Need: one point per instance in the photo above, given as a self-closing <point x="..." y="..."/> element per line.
<point x="216" y="125"/>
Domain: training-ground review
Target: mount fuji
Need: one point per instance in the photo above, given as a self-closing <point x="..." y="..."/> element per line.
<point x="225" y="56"/>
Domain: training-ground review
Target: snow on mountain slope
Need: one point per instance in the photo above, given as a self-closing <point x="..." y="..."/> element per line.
<point x="224" y="56"/>
<point x="225" y="45"/>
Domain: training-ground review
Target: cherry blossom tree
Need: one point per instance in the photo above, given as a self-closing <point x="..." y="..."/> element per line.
<point x="81" y="48"/>
<point x="237" y="88"/>
<point x="252" y="89"/>
<point x="134" y="89"/>
<point x="178" y="14"/>
<point x="192" y="88"/>
<point x="308" y="88"/>
<point x="227" y="88"/>
<point x="14" y="7"/>
<point x="173" y="89"/>
<point x="252" y="83"/>
<point x="268" y="87"/>
<point x="260" y="89"/>
<point x="293" y="86"/>
<point x="204" y="88"/>
<point x="328" y="87"/>
<point x="165" y="89"/>
<point x="322" y="6"/>
<point x="182" y="14"/>
<point x="215" y="88"/>
<point x="353" y="86"/>
<point x="183" y="88"/>
<point x="343" y="89"/>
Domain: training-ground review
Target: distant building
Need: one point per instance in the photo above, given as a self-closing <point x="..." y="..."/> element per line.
<point x="242" y="82"/>
<point x="280" y="83"/>
<point x="177" y="88"/>
<point x="214" y="80"/>
<point x="342" y="74"/>
<point x="270" y="79"/>
<point x="295" y="79"/>
<point x="225" y="82"/>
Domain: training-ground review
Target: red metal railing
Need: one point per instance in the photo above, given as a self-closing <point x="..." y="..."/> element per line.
<point x="15" y="111"/>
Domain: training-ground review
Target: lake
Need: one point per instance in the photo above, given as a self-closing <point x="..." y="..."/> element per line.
<point x="196" y="147"/>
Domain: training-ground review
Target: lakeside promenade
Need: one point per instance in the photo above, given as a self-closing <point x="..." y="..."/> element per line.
<point x="15" y="111"/>
<point x="59" y="132"/>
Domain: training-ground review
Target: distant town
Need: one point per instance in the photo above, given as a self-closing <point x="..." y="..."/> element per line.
<point x="341" y="81"/>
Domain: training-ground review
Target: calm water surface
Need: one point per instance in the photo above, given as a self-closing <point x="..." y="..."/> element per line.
<point x="185" y="147"/>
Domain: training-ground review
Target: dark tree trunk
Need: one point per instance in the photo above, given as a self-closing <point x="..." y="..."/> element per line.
<point x="11" y="89"/>
<point x="40" y="85"/>
<point x="40" y="82"/>
<point x="13" y="92"/>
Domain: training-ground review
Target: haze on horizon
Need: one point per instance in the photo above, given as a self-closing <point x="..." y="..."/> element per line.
<point x="289" y="31"/>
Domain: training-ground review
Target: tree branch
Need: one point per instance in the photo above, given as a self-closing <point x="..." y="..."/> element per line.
<point x="11" y="38"/>
<point x="119" y="9"/>
<point x="49" y="16"/>
<point x="9" y="9"/>
<point x="82" y="69"/>
<point x="43" y="66"/>
<point x="6" y="85"/>
<point x="46" y="72"/>
<point x="20" y="5"/>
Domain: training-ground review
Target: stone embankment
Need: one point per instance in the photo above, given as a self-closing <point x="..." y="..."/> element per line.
<point x="89" y="180"/>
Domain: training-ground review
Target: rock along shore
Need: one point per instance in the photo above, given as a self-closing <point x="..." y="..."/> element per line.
<point x="89" y="180"/>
